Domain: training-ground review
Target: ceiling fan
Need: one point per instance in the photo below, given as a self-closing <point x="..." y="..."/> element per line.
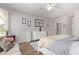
<point x="50" y="6"/>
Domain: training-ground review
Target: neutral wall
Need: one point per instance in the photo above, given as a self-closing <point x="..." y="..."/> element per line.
<point x="76" y="23"/>
<point x="22" y="30"/>
<point x="15" y="26"/>
<point x="50" y="27"/>
<point x="66" y="24"/>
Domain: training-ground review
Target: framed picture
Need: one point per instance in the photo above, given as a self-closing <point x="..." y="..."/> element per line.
<point x="23" y="20"/>
<point x="28" y="22"/>
<point x="39" y="23"/>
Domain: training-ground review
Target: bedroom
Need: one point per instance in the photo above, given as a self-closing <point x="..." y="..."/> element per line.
<point x="37" y="23"/>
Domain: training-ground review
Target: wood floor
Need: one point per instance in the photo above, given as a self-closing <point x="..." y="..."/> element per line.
<point x="27" y="49"/>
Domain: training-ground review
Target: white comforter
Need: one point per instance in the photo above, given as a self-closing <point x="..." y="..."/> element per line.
<point x="66" y="46"/>
<point x="74" y="50"/>
<point x="43" y="42"/>
<point x="60" y="47"/>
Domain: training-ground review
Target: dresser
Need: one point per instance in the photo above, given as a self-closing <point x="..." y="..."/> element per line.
<point x="38" y="34"/>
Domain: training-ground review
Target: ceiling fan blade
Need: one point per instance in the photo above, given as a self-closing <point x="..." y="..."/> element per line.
<point x="58" y="7"/>
<point x="42" y="8"/>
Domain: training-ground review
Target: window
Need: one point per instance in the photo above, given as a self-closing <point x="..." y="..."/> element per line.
<point x="3" y="22"/>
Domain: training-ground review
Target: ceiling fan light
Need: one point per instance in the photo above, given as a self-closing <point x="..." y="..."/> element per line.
<point x="49" y="8"/>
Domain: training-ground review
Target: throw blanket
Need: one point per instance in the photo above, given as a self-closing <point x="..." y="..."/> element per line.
<point x="61" y="47"/>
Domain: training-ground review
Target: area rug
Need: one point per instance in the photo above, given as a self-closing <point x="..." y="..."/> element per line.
<point x="27" y="49"/>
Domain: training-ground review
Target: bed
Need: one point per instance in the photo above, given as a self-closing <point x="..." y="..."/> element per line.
<point x="59" y="45"/>
<point x="43" y="42"/>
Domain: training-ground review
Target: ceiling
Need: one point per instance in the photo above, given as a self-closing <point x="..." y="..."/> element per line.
<point x="35" y="8"/>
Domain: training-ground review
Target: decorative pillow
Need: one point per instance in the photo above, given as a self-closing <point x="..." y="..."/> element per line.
<point x="9" y="39"/>
<point x="6" y="45"/>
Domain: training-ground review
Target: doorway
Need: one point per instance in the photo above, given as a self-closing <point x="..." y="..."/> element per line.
<point x="58" y="28"/>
